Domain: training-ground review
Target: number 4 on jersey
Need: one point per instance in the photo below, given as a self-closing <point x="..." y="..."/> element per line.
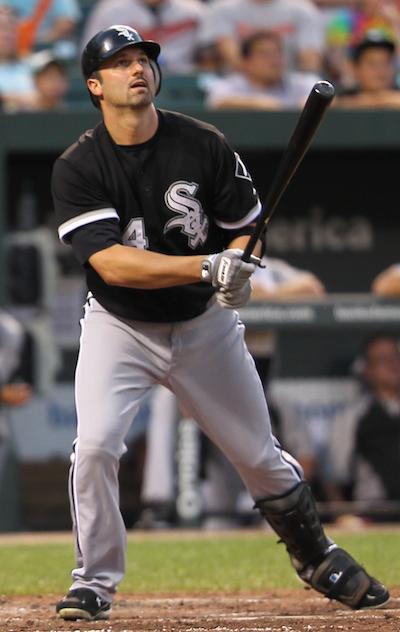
<point x="135" y="235"/>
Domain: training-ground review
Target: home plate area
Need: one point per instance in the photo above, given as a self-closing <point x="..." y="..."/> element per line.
<point x="274" y="611"/>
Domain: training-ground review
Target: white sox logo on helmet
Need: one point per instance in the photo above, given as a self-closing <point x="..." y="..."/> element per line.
<point x="192" y="220"/>
<point x="125" y="32"/>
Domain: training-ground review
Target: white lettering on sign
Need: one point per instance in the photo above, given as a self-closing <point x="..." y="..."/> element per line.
<point x="321" y="233"/>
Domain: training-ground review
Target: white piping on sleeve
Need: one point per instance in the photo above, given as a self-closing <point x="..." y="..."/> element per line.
<point x="85" y="218"/>
<point x="251" y="215"/>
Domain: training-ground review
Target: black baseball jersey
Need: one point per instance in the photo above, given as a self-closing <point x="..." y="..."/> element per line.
<point x="183" y="192"/>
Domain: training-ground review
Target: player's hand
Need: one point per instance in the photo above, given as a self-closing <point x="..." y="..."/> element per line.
<point x="233" y="299"/>
<point x="227" y="270"/>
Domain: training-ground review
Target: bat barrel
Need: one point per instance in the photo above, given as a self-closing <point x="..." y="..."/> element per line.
<point x="310" y="118"/>
<point x="325" y="90"/>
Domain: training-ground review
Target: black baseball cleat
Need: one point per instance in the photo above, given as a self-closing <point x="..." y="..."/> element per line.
<point x="83" y="603"/>
<point x="376" y="597"/>
<point x="340" y="577"/>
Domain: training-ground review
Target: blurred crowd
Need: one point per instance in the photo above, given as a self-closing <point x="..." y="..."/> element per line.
<point x="252" y="54"/>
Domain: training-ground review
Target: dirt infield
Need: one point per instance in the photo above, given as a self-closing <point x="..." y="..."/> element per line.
<point x="277" y="611"/>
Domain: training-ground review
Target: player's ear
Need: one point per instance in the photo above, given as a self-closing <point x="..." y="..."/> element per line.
<point x="94" y="86"/>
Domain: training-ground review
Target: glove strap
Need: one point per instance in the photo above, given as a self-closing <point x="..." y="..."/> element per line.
<point x="206" y="270"/>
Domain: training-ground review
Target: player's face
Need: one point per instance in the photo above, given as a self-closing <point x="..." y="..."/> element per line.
<point x="127" y="79"/>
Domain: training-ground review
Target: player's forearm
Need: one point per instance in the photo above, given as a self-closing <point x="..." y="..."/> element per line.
<point x="241" y="242"/>
<point x="131" y="267"/>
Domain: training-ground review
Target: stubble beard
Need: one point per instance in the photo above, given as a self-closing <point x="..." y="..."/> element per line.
<point x="139" y="101"/>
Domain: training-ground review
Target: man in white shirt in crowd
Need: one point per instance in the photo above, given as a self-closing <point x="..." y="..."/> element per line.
<point x="299" y="23"/>
<point x="264" y="82"/>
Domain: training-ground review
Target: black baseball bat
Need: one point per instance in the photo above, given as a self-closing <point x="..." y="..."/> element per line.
<point x="314" y="109"/>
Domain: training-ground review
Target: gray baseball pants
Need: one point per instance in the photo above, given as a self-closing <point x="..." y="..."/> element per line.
<point x="205" y="362"/>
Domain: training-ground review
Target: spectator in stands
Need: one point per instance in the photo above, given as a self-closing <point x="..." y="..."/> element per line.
<point x="348" y="25"/>
<point x="263" y="83"/>
<point x="44" y="23"/>
<point x="207" y="59"/>
<point x="15" y="394"/>
<point x="387" y="283"/>
<point x="374" y="71"/>
<point x="50" y="76"/>
<point x="12" y="338"/>
<point x="366" y="441"/>
<point x="299" y="24"/>
<point x="175" y="24"/>
<point x="16" y="82"/>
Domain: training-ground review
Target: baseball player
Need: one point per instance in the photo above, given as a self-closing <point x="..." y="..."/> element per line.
<point x="158" y="209"/>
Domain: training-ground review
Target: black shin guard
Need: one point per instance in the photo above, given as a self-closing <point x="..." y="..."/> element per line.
<point x="317" y="560"/>
<point x="295" y="519"/>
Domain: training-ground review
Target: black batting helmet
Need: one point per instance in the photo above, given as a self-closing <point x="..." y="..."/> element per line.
<point x="110" y="41"/>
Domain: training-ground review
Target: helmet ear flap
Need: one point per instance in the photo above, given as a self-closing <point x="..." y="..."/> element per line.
<point x="157" y="74"/>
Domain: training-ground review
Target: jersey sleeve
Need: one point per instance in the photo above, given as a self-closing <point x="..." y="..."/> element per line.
<point x="91" y="238"/>
<point x="78" y="199"/>
<point x="235" y="200"/>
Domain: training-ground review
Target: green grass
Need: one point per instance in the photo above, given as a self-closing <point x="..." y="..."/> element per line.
<point x="195" y="564"/>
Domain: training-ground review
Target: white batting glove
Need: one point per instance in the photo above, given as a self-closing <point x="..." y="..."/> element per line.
<point x="227" y="270"/>
<point x="233" y="299"/>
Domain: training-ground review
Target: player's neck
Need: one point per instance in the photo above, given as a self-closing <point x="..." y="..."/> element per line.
<point x="132" y="127"/>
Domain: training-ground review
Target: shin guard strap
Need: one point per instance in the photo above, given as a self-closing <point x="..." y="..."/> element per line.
<point x="295" y="519"/>
<point x="340" y="577"/>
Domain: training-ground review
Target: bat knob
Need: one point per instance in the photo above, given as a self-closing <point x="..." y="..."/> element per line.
<point x="324" y="89"/>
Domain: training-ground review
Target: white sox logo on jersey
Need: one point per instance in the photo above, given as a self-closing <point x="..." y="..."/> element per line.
<point x="192" y="220"/>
